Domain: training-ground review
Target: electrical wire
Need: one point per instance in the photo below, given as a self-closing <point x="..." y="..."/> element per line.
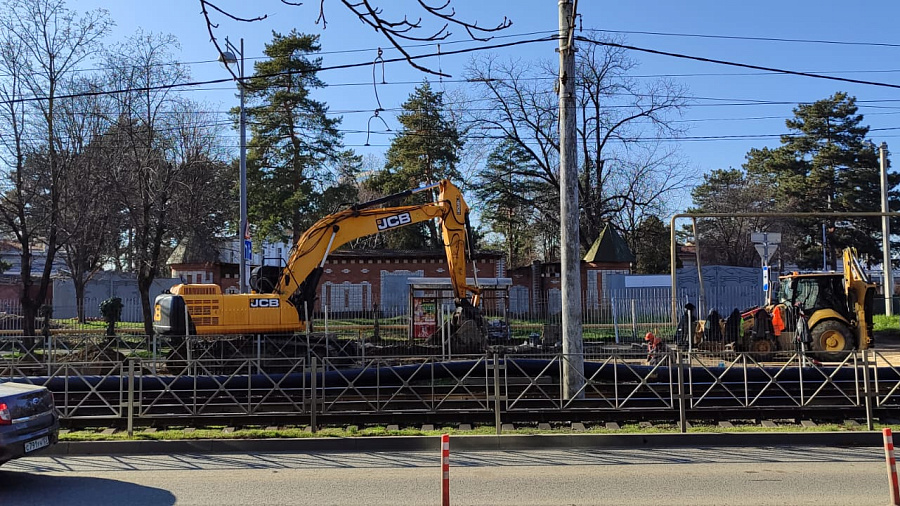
<point x="741" y="65"/>
<point x="759" y="39"/>
<point x="277" y="74"/>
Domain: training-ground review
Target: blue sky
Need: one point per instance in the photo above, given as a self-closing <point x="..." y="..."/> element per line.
<point x="727" y="101"/>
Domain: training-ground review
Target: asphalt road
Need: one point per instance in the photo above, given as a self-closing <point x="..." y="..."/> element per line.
<point x="720" y="476"/>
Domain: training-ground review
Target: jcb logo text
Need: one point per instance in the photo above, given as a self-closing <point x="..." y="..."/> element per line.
<point x="264" y="302"/>
<point x="393" y="221"/>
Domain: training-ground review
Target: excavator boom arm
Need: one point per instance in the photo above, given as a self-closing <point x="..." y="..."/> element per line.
<point x="300" y="277"/>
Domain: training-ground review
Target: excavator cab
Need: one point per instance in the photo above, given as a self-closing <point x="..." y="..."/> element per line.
<point x="813" y="292"/>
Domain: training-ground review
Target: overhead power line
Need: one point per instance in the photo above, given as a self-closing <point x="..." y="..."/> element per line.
<point x="278" y="74"/>
<point x="760" y="39"/>
<point x="736" y="64"/>
<point x="319" y="53"/>
<point x="474" y="49"/>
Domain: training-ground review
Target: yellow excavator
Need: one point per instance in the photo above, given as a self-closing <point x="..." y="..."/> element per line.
<point x="283" y="297"/>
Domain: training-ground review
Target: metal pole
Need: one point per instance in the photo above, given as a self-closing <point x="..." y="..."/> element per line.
<point x="443" y="332"/>
<point x="682" y="410"/>
<point x="634" y="335"/>
<point x="824" y="250"/>
<point x="242" y="233"/>
<point x="570" y="260"/>
<point x="259" y="353"/>
<point x="886" y="235"/>
<point x="314" y="372"/>
<point x="867" y="390"/>
<point x="130" y="397"/>
<point x="673" y="266"/>
<point x="306" y="315"/>
<point x="449" y="342"/>
<point x="765" y="267"/>
<point x="497" y="393"/>
<point x="615" y="318"/>
<point x="701" y="304"/>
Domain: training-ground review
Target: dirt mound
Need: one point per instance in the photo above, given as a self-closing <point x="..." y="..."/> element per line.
<point x="93" y="359"/>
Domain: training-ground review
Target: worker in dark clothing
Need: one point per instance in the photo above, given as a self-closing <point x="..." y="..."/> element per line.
<point x="733" y="327"/>
<point x="686" y="325"/>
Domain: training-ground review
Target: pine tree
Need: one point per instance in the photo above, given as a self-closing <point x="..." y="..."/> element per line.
<point x="826" y="164"/>
<point x="510" y="197"/>
<point x="651" y="246"/>
<point x="726" y="241"/>
<point x="294" y="143"/>
<point x="425" y="151"/>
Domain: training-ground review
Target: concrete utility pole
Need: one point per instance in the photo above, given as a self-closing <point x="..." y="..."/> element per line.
<point x="570" y="245"/>
<point x="886" y="234"/>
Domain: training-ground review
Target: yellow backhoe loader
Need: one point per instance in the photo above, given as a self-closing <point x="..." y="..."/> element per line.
<point x="836" y="308"/>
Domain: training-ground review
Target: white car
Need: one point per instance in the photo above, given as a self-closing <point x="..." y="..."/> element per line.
<point x="28" y="420"/>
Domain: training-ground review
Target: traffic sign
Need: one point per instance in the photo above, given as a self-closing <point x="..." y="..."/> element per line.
<point x="766" y="237"/>
<point x="765" y="278"/>
<point x="762" y="249"/>
<point x="248" y="249"/>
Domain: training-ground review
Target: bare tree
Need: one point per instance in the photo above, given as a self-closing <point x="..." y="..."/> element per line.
<point x="397" y="29"/>
<point x="51" y="42"/>
<point x="625" y="168"/>
<point x="149" y="139"/>
<point x="205" y="189"/>
<point x="88" y="216"/>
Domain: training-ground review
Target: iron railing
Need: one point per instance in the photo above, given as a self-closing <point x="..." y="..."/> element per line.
<point x="149" y="380"/>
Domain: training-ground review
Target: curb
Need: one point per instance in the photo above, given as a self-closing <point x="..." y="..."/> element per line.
<point x="467" y="443"/>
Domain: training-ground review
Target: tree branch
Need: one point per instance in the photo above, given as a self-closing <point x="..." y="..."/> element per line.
<point x="394" y="30"/>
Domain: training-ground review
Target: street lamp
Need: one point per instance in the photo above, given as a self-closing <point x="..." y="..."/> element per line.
<point x="228" y="58"/>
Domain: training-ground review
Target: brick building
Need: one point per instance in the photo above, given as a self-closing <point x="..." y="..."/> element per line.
<point x="217" y="263"/>
<point x="356" y="280"/>
<point x="353" y="280"/>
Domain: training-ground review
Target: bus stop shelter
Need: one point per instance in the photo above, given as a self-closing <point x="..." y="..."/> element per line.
<point x="432" y="305"/>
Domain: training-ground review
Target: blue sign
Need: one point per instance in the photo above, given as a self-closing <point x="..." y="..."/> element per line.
<point x="765" y="278"/>
<point x="248" y="249"/>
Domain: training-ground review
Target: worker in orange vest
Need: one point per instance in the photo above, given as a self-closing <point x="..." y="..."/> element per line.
<point x="777" y="321"/>
<point x="656" y="348"/>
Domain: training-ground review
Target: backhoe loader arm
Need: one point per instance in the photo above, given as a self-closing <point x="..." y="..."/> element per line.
<point x="853" y="270"/>
<point x="300" y="277"/>
<point x="860" y="292"/>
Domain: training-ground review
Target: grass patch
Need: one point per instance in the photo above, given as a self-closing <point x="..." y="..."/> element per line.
<point x="252" y="432"/>
<point x="884" y="322"/>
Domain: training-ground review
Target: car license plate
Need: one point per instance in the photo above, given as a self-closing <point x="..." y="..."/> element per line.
<point x="37" y="444"/>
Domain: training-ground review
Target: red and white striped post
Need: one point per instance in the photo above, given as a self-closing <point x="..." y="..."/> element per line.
<point x="445" y="470"/>
<point x="891" y="466"/>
